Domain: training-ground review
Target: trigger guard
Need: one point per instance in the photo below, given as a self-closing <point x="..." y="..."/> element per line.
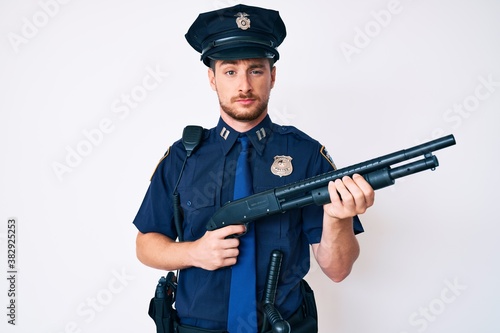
<point x="241" y="234"/>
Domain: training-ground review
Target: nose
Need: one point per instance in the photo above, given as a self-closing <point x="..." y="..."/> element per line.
<point x="244" y="83"/>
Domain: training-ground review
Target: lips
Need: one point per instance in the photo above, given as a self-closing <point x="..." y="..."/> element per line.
<point x="246" y="101"/>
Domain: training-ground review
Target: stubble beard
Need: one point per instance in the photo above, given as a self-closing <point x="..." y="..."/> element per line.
<point x="250" y="113"/>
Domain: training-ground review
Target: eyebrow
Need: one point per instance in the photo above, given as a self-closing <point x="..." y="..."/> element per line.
<point x="227" y="62"/>
<point x="234" y="62"/>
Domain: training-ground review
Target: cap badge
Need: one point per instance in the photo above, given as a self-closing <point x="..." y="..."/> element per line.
<point x="243" y="21"/>
<point x="282" y="165"/>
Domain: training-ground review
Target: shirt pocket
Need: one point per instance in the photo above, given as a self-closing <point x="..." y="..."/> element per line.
<point x="281" y="229"/>
<point x="198" y="206"/>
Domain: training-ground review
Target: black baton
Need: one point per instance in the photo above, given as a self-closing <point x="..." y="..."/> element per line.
<point x="278" y="324"/>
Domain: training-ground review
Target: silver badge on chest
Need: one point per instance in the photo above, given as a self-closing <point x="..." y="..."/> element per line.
<point x="282" y="165"/>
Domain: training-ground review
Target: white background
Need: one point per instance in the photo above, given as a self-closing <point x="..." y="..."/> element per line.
<point x="364" y="77"/>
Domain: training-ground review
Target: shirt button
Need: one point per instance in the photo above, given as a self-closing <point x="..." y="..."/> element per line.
<point x="188" y="203"/>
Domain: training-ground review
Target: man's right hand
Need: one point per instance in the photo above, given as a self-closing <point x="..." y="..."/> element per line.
<point x="216" y="248"/>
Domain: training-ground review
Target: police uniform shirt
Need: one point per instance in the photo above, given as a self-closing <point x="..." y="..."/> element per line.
<point x="207" y="183"/>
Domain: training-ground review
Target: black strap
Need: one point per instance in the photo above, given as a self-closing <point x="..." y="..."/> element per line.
<point x="191" y="138"/>
<point x="161" y="305"/>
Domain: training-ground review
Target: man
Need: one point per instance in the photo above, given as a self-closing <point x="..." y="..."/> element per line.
<point x="239" y="45"/>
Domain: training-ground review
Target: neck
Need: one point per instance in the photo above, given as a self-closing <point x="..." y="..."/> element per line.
<point x="242" y="126"/>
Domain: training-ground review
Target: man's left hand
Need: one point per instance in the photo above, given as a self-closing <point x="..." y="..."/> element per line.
<point x="349" y="197"/>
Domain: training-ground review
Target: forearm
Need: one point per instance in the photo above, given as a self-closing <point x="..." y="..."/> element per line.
<point x="338" y="249"/>
<point x="160" y="252"/>
<point x="212" y="251"/>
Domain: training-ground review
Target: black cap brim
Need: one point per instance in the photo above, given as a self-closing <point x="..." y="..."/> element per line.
<point x="241" y="52"/>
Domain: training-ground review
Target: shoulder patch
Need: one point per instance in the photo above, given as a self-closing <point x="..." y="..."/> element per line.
<point x="327" y="156"/>
<point x="161" y="159"/>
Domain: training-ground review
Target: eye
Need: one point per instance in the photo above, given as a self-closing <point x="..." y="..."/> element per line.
<point x="256" y="72"/>
<point x="230" y="73"/>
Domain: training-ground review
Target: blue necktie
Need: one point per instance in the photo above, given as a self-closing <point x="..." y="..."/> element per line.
<point x="242" y="313"/>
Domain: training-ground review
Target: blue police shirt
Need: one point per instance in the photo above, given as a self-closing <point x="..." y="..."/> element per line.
<point x="207" y="183"/>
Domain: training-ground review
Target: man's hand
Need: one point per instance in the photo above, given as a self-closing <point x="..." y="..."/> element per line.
<point x="215" y="250"/>
<point x="338" y="249"/>
<point x="349" y="197"/>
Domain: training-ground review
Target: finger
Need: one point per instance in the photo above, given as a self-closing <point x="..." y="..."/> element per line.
<point x="356" y="192"/>
<point x="231" y="253"/>
<point x="352" y="186"/>
<point x="362" y="193"/>
<point x="345" y="194"/>
<point x="334" y="195"/>
<point x="233" y="229"/>
<point x="366" y="188"/>
<point x="230" y="262"/>
<point x="230" y="243"/>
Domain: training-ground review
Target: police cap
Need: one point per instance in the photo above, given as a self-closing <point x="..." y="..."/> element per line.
<point x="238" y="32"/>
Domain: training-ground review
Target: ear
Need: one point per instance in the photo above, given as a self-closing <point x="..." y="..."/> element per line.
<point x="211" y="79"/>
<point x="273" y="76"/>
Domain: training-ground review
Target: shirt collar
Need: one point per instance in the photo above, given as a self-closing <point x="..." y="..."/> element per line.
<point x="258" y="135"/>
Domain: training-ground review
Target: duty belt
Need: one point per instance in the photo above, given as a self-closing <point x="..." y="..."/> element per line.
<point x="297" y="321"/>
